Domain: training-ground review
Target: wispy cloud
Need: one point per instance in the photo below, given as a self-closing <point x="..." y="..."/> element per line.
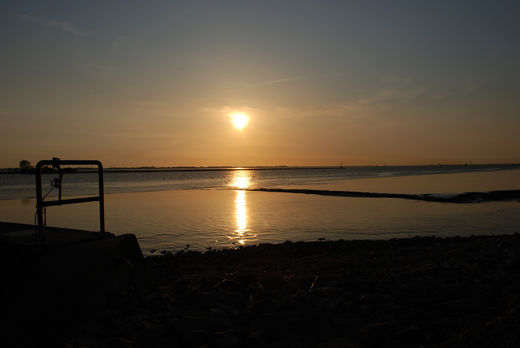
<point x="268" y="83"/>
<point x="387" y="95"/>
<point x="394" y="89"/>
<point x="227" y="109"/>
<point x="64" y="26"/>
<point x="277" y="81"/>
<point x="393" y="94"/>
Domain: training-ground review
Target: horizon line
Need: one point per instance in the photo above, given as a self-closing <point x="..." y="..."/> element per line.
<point x="239" y="167"/>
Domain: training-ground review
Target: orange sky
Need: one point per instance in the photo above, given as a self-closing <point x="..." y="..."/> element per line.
<point x="154" y="84"/>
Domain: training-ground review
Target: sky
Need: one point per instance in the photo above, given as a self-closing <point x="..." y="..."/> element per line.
<point x="153" y="83"/>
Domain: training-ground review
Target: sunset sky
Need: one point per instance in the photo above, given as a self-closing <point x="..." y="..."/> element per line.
<point x="153" y="83"/>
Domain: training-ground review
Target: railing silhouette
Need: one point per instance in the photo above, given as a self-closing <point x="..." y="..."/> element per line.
<point x="41" y="203"/>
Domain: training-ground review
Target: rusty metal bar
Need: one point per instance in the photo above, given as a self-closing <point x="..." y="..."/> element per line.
<point x="71" y="201"/>
<point x="40" y="203"/>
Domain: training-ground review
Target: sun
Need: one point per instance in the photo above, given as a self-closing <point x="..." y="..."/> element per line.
<point x="239" y="120"/>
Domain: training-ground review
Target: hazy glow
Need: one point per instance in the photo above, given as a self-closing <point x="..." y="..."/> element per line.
<point x="239" y="120"/>
<point x="230" y="87"/>
<point x="240" y="216"/>
<point x="241" y="179"/>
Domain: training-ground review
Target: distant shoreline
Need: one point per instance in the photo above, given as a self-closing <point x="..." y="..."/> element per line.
<point x="461" y="167"/>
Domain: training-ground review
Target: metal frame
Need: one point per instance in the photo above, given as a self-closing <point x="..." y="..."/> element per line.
<point x="40" y="203"/>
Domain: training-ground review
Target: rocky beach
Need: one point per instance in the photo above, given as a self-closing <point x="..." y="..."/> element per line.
<point x="419" y="292"/>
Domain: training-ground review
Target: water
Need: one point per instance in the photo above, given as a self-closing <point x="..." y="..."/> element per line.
<point x="17" y="186"/>
<point x="169" y="210"/>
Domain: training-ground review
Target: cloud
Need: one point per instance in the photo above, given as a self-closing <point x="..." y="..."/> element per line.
<point x="227" y="109"/>
<point x="395" y="89"/>
<point x="66" y="27"/>
<point x="268" y="83"/>
<point x="393" y="95"/>
<point x="385" y="99"/>
<point x="273" y="82"/>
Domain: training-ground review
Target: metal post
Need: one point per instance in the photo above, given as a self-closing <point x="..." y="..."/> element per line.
<point x="101" y="198"/>
<point x="39" y="202"/>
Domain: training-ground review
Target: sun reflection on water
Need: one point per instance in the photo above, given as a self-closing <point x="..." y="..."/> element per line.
<point x="241" y="180"/>
<point x="240" y="216"/>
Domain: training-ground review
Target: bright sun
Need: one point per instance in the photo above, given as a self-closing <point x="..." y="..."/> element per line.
<point x="239" y="120"/>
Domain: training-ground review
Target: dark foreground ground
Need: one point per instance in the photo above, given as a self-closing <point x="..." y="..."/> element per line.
<point x="426" y="292"/>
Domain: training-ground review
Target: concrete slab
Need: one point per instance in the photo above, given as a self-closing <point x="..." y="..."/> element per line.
<point x="23" y="234"/>
<point x="65" y="281"/>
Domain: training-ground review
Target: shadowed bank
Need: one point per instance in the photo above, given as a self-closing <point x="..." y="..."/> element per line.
<point x="405" y="292"/>
<point x="50" y="289"/>
<point x="468" y="197"/>
<point x="410" y="292"/>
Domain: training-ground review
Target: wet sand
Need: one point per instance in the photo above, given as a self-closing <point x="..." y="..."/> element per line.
<point x="429" y="292"/>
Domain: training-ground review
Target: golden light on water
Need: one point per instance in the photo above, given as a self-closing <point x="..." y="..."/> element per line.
<point x="239" y="120"/>
<point x="240" y="216"/>
<point x="241" y="179"/>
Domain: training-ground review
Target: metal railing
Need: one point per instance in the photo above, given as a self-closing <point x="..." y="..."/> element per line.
<point x="41" y="204"/>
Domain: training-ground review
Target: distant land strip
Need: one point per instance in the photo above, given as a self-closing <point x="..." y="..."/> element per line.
<point x="468" y="197"/>
<point x="434" y="168"/>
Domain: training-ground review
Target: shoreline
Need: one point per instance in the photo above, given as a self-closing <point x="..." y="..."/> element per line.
<point x="435" y="292"/>
<point x="454" y="168"/>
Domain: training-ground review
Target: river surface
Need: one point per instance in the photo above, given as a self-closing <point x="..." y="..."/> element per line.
<point x="201" y="209"/>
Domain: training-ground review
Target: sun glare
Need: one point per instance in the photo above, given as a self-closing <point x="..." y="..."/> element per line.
<point x="241" y="179"/>
<point x="239" y="120"/>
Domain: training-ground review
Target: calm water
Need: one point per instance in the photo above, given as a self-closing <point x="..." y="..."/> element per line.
<point x="16" y="186"/>
<point x="210" y="209"/>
